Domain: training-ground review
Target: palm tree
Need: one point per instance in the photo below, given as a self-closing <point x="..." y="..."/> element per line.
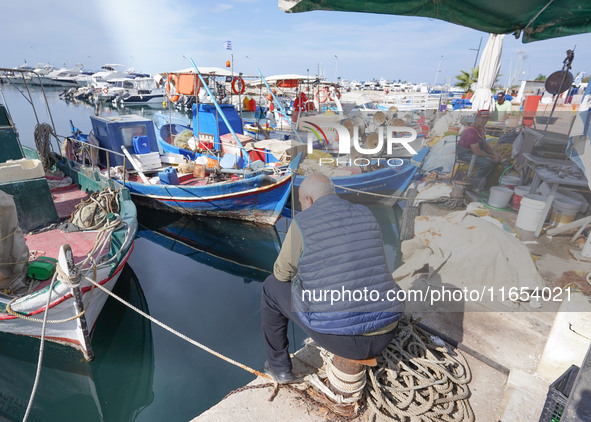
<point x="465" y="79"/>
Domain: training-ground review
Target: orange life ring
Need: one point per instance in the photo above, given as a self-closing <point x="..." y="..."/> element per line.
<point x="241" y="83"/>
<point x="106" y="90"/>
<point x="324" y="97"/>
<point x="337" y="94"/>
<point x="172" y="80"/>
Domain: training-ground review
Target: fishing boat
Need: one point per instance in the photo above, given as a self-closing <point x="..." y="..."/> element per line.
<point x="245" y="250"/>
<point x="366" y="184"/>
<point x="233" y="189"/>
<point x="72" y="389"/>
<point x="57" y="276"/>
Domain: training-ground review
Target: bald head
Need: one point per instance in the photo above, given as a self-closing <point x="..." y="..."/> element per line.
<point x="313" y="187"/>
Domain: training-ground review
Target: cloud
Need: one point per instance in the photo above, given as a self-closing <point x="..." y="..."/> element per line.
<point x="221" y="7"/>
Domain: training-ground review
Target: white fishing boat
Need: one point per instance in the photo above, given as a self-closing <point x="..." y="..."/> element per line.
<point x="56" y="276"/>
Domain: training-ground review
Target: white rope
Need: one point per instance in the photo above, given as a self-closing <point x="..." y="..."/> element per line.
<point x="178" y="333"/>
<point x="346" y="383"/>
<point x="370" y="193"/>
<point x="315" y="381"/>
<point x="41" y="353"/>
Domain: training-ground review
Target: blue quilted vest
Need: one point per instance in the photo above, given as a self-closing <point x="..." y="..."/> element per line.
<point x="343" y="285"/>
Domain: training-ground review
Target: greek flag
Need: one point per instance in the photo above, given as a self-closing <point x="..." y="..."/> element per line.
<point x="228" y="45"/>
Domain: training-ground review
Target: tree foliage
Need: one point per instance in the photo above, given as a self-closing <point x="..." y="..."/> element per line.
<point x="540" y="77"/>
<point x="466" y="79"/>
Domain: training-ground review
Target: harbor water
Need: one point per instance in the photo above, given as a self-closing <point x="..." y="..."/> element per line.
<point x="203" y="277"/>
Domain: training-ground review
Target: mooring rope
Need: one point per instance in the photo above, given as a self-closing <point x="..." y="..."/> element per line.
<point x="178" y="333"/>
<point x="41" y="352"/>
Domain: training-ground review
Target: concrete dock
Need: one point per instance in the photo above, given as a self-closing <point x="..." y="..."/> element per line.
<point x="512" y="355"/>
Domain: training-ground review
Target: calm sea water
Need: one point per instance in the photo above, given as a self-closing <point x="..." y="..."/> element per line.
<point x="201" y="276"/>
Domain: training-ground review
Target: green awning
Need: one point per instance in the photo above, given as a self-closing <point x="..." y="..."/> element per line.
<point x="535" y="19"/>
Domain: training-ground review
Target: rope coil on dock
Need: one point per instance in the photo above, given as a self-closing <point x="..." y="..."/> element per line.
<point x="418" y="379"/>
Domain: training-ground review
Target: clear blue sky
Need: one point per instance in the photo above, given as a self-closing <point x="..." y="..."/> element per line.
<point x="153" y="36"/>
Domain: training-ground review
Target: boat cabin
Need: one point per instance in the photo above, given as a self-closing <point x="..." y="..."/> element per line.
<point x="209" y="124"/>
<point x="23" y="178"/>
<point x="114" y="131"/>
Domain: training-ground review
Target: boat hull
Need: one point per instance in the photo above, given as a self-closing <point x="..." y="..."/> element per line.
<point x="155" y="99"/>
<point x="259" y="199"/>
<point x="62" y="307"/>
<point x="371" y="186"/>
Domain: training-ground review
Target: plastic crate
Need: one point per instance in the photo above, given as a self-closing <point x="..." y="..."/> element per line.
<point x="558" y="393"/>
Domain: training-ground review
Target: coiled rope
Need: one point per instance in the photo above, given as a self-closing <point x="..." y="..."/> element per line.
<point x="92" y="213"/>
<point x="42" y="134"/>
<point x="417" y="377"/>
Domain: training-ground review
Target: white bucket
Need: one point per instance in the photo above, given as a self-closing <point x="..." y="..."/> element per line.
<point x="576" y="196"/>
<point x="564" y="210"/>
<point x="530" y="211"/>
<point x="518" y="193"/>
<point x="510" y="181"/>
<point x="499" y="196"/>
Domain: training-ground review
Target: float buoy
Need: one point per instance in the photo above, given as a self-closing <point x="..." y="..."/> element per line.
<point x="172" y="82"/>
<point x="241" y="86"/>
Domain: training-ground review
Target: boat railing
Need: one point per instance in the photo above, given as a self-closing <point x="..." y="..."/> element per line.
<point x="28" y="96"/>
<point x="87" y="150"/>
<point x="412" y="101"/>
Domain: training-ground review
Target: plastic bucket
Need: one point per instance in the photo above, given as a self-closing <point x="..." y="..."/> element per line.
<point x="530" y="211"/>
<point x="510" y="181"/>
<point x="518" y="193"/>
<point x="564" y="210"/>
<point x="576" y="196"/>
<point x="499" y="196"/>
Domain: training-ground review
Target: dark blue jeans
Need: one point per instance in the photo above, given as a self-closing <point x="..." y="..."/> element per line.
<point x="484" y="165"/>
<point x="276" y="312"/>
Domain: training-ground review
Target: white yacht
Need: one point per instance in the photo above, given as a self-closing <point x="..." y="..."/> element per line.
<point x="64" y="77"/>
<point x="137" y="91"/>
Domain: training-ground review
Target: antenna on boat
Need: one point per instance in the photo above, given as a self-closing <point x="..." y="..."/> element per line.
<point x="221" y="113"/>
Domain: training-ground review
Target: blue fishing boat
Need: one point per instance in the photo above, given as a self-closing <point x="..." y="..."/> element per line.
<point x="240" y="192"/>
<point x="378" y="184"/>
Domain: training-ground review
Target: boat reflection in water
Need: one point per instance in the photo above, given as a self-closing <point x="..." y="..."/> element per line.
<point x="116" y="386"/>
<point x="239" y="248"/>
